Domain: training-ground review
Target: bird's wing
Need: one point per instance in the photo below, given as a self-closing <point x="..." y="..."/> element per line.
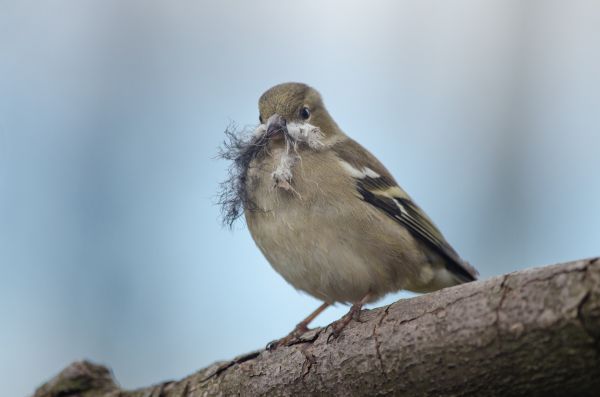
<point x="376" y="186"/>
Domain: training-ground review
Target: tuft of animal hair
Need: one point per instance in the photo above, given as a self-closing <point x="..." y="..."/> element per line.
<point x="283" y="172"/>
<point x="240" y="146"/>
<point x="307" y="133"/>
<point x="296" y="133"/>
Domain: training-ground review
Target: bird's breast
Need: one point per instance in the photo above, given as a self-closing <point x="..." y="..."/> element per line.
<point x="301" y="230"/>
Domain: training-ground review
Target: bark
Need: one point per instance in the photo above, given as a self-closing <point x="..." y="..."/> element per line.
<point x="532" y="332"/>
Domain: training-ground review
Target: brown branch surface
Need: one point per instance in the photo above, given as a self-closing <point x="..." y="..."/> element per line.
<point x="533" y="332"/>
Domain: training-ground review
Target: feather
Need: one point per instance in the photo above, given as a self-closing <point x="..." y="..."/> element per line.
<point x="376" y="186"/>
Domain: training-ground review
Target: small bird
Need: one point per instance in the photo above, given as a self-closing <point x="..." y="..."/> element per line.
<point x="326" y="214"/>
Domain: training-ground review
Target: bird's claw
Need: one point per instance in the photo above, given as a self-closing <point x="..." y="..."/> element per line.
<point x="338" y="326"/>
<point x="288" y="340"/>
<point x="271" y="346"/>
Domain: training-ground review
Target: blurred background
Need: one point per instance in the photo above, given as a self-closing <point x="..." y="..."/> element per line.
<point x="111" y="112"/>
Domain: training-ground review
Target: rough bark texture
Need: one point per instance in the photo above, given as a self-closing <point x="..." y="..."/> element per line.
<point x="533" y="332"/>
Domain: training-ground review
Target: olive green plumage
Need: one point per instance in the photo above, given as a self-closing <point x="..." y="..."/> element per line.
<point x="328" y="216"/>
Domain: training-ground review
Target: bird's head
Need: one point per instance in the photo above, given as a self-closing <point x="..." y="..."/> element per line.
<point x="297" y="105"/>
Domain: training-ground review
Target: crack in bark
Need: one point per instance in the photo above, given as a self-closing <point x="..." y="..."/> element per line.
<point x="186" y="387"/>
<point x="310" y="340"/>
<point x="161" y="388"/>
<point x="308" y="363"/>
<point x="377" y="342"/>
<point x="238" y="360"/>
<point x="554" y="275"/>
<point x="504" y="291"/>
<point x="581" y="317"/>
<point x="252" y="355"/>
<point x="437" y="309"/>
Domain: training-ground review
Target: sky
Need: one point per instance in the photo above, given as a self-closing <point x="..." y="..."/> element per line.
<point x="112" y="112"/>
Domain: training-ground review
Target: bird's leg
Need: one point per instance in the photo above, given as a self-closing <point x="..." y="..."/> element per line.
<point x="300" y="329"/>
<point x="302" y="326"/>
<point x="353" y="314"/>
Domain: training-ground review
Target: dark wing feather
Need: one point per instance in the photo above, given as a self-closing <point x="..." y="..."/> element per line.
<point x="383" y="192"/>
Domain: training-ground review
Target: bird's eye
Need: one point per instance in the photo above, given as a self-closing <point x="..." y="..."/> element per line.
<point x="304" y="113"/>
<point x="260" y="119"/>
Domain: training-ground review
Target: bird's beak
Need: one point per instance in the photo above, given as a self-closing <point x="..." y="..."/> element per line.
<point x="276" y="125"/>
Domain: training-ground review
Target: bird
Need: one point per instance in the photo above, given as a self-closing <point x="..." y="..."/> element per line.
<point x="327" y="215"/>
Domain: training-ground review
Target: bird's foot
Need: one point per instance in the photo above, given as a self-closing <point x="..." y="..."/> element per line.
<point x="290" y="339"/>
<point x="338" y="326"/>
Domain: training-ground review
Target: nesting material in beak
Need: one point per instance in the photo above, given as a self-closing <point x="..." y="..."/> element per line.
<point x="276" y="125"/>
<point x="241" y="147"/>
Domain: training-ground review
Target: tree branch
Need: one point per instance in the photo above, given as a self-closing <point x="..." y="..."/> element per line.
<point x="533" y="332"/>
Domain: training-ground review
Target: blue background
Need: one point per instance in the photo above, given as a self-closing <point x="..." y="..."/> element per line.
<point x="111" y="112"/>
